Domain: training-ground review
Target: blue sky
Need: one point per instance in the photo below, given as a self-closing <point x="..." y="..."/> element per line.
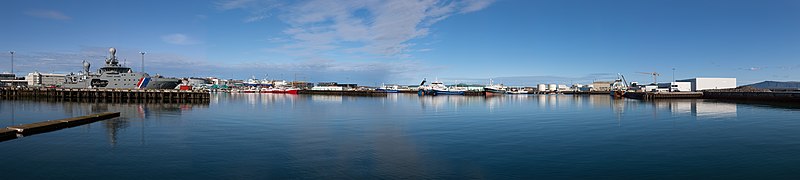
<point x="519" y="42"/>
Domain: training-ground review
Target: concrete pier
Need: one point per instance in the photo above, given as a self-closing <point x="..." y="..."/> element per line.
<point x="53" y="125"/>
<point x="663" y="95"/>
<point x="68" y="93"/>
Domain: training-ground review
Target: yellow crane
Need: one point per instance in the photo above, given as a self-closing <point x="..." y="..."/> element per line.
<point x="654" y="74"/>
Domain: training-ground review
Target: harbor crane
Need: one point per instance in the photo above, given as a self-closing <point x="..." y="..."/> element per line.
<point x="654" y="74"/>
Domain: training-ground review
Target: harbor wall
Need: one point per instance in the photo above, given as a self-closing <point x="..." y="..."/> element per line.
<point x="662" y="95"/>
<point x="343" y="93"/>
<point x="755" y="96"/>
<point x="118" y="94"/>
<point x="587" y="92"/>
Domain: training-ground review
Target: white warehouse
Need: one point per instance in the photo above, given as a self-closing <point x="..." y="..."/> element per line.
<point x="699" y="84"/>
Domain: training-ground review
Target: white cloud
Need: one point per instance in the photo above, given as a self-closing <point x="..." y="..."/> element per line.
<point x="378" y="27"/>
<point x="48" y="14"/>
<point x="177" y="65"/>
<point x="179" y="39"/>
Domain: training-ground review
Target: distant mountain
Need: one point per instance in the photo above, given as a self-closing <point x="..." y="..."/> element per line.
<point x="776" y="85"/>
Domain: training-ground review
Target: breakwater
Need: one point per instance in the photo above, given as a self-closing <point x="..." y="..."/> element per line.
<point x="13" y="132"/>
<point x="116" y="94"/>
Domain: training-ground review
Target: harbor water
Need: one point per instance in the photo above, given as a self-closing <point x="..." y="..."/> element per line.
<point x="404" y="136"/>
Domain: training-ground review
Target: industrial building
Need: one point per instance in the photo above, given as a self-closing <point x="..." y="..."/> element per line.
<point x="601" y="85"/>
<point x="700" y="84"/>
<point x="47" y="79"/>
<point x="670" y="87"/>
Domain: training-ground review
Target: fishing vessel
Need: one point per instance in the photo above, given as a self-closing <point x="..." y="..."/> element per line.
<point x="280" y="90"/>
<point x="389" y="89"/>
<point x="494" y="89"/>
<point x="438" y="88"/>
<point x="115" y="75"/>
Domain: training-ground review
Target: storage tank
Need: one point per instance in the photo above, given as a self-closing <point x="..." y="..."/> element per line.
<point x="541" y="87"/>
<point x="552" y="87"/>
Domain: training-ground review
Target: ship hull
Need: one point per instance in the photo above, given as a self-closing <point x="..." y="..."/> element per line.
<point x="493" y="92"/>
<point x="162" y="83"/>
<point x="450" y="92"/>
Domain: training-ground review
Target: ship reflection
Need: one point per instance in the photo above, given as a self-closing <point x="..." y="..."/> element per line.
<point x="136" y="112"/>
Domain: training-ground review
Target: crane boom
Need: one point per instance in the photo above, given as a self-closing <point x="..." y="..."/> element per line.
<point x="654" y="74"/>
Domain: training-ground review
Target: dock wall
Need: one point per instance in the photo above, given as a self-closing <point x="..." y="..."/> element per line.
<point x="344" y="93"/>
<point x="68" y="93"/>
<point x="662" y="95"/>
<point x="754" y="96"/>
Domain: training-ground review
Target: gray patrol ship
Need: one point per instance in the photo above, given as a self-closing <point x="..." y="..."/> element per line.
<point x="114" y="75"/>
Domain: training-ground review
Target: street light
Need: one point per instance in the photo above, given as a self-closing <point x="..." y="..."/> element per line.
<point x="673" y="74"/>
<point x="142" y="60"/>
<point x="12" y="61"/>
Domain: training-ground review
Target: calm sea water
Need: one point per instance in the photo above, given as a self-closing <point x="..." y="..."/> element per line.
<point x="274" y="136"/>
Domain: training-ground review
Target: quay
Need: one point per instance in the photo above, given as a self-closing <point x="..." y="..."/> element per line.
<point x="466" y="93"/>
<point x="755" y="96"/>
<point x="587" y="92"/>
<point x="662" y="95"/>
<point x="52" y="125"/>
<point x="68" y="93"/>
<point x="344" y="93"/>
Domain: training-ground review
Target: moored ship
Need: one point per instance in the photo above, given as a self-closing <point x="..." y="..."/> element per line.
<point x="114" y="75"/>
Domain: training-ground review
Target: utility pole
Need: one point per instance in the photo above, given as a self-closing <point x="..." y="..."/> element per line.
<point x="142" y="60"/>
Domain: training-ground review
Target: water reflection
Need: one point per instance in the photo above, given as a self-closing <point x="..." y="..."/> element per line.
<point x="25" y="111"/>
<point x="700" y="108"/>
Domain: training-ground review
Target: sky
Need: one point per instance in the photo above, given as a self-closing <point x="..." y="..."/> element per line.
<point x="515" y="42"/>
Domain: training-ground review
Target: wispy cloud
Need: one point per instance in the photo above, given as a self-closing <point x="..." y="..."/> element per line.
<point x="534" y="80"/>
<point x="377" y="27"/>
<point x="179" y="39"/>
<point x="48" y="14"/>
<point x="177" y="65"/>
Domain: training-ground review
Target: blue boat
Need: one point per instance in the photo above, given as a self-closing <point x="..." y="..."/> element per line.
<point x="423" y="92"/>
<point x="448" y="92"/>
<point x="387" y="90"/>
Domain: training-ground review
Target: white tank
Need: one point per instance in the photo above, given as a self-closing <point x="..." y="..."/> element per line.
<point x="552" y="87"/>
<point x="541" y="87"/>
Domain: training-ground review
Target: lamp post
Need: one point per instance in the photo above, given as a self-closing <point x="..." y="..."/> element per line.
<point x="12" y="61"/>
<point x="142" y="60"/>
<point x="673" y="74"/>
